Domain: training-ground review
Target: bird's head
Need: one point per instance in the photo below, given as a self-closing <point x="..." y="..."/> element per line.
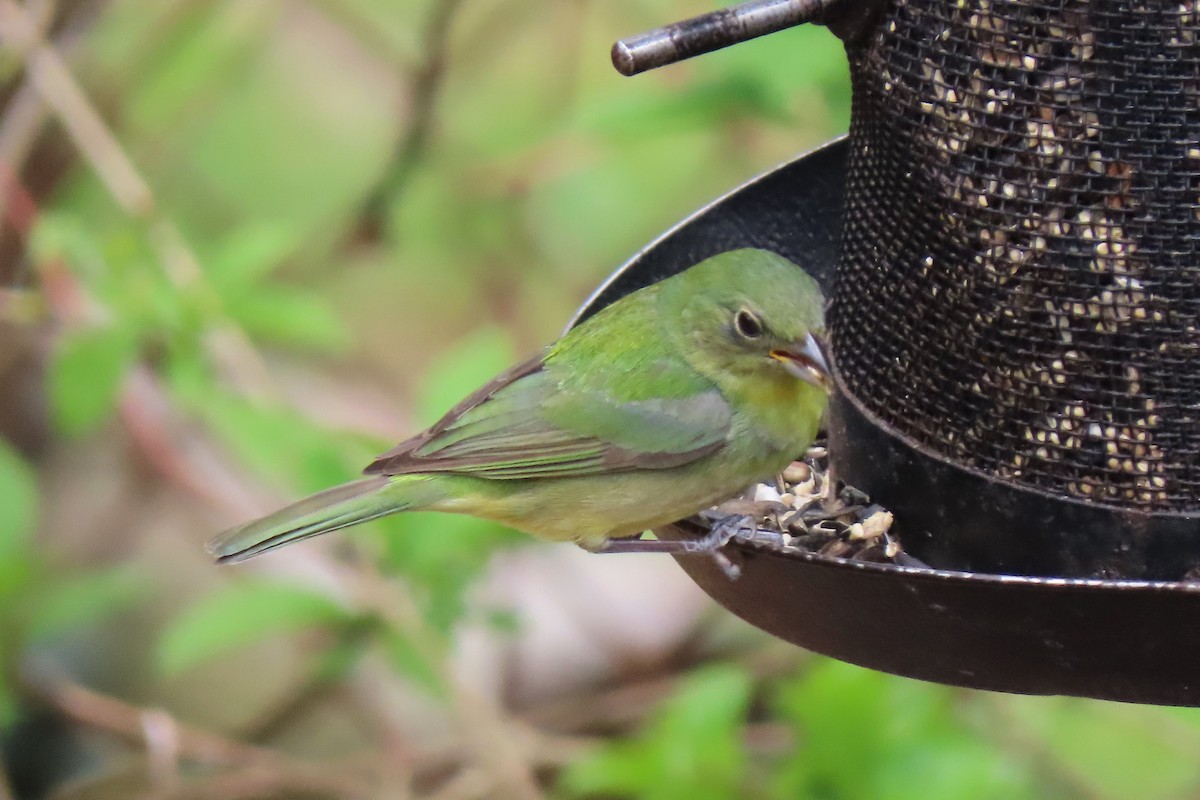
<point x="749" y="314"/>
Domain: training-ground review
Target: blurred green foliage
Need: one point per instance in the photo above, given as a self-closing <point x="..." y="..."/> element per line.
<point x="861" y="734"/>
<point x="263" y="129"/>
<point x="912" y="735"/>
<point x="39" y="599"/>
<point x="241" y="613"/>
<point x="690" y="750"/>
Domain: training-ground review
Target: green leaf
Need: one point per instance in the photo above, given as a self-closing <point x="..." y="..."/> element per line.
<point x="1115" y="750"/>
<point x="82" y="599"/>
<point x="280" y="443"/>
<point x="248" y="255"/>
<point x="86" y="375"/>
<point x="63" y="235"/>
<point x="290" y="317"/>
<point x="18" y="499"/>
<point x="241" y="613"/>
<point x="190" y="377"/>
<point x="442" y="555"/>
<point x="408" y="660"/>
<point x="907" y="739"/>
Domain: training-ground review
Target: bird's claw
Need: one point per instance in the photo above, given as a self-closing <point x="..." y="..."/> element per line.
<point x="723" y="531"/>
<point x="732" y="571"/>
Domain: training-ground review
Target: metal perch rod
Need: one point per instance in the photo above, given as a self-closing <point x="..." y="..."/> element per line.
<point x="713" y="31"/>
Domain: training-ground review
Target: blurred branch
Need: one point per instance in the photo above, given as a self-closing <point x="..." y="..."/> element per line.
<point x="161" y="736"/>
<point x="151" y="421"/>
<point x="48" y="74"/>
<point x="144" y="727"/>
<point x="466" y="785"/>
<point x="495" y="740"/>
<point x="426" y="86"/>
<point x="5" y="787"/>
<point x="313" y="691"/>
<point x="25" y="113"/>
<point x="364" y="30"/>
<point x="545" y="751"/>
<point x="252" y="770"/>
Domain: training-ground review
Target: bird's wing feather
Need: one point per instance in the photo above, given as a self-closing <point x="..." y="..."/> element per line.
<point x="550" y="418"/>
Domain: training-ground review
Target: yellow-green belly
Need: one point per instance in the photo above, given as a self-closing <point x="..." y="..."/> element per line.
<point x="591" y="509"/>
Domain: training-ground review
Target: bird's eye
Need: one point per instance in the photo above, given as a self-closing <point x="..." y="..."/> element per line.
<point x="748" y="324"/>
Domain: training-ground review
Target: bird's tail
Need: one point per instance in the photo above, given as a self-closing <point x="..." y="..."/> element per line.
<point x="330" y="510"/>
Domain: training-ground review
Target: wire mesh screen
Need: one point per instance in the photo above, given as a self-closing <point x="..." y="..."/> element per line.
<point x="1019" y="288"/>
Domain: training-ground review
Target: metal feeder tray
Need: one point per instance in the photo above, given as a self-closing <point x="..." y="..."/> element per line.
<point x="1126" y="640"/>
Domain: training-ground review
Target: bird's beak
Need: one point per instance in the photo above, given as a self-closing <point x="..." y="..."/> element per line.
<point x="806" y="361"/>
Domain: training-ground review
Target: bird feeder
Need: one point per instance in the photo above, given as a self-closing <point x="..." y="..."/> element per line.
<point x="1010" y="236"/>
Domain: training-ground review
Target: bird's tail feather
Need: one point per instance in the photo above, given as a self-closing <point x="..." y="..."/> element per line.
<point x="330" y="510"/>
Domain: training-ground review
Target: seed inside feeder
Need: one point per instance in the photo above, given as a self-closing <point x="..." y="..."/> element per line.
<point x="803" y="511"/>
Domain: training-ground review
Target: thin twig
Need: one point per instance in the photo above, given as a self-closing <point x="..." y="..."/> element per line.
<point x="160" y="732"/>
<point x="468" y="784"/>
<point x="125" y="720"/>
<point x="313" y="691"/>
<point x="494" y="739"/>
<point x="25" y="114"/>
<point x="425" y="91"/>
<point x="362" y="29"/>
<point x="22" y="120"/>
<point x="5" y="785"/>
<point x="58" y="88"/>
<point x="129" y="722"/>
<point x="152" y="422"/>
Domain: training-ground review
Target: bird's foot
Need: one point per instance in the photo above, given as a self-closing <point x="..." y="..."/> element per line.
<point x="722" y="531"/>
<point x="725" y="529"/>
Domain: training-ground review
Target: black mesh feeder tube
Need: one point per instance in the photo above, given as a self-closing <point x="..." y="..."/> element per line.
<point x="1009" y="236"/>
<point x="1017" y="307"/>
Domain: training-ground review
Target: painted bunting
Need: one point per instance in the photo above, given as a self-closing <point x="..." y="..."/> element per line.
<point x="670" y="400"/>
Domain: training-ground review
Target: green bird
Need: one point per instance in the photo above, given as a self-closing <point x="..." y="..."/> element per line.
<point x="670" y="400"/>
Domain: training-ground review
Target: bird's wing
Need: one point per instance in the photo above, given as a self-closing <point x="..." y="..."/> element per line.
<point x="543" y="420"/>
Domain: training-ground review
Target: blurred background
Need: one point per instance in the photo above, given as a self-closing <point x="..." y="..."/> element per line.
<point x="245" y="245"/>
